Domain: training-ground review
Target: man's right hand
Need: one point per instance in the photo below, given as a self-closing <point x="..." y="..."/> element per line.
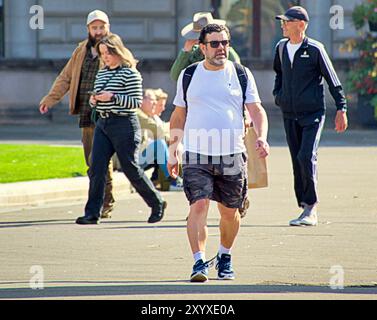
<point x="189" y="44"/>
<point x="173" y="165"/>
<point x="43" y="109"/>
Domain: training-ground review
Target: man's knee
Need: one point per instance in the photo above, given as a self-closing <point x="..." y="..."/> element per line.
<point x="229" y="214"/>
<point x="199" y="207"/>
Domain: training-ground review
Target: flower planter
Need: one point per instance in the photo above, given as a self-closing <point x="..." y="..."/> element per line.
<point x="366" y="112"/>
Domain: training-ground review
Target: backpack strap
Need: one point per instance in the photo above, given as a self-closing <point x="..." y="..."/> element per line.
<point x="187" y="77"/>
<point x="281" y="48"/>
<point x="243" y="79"/>
<point x="241" y="74"/>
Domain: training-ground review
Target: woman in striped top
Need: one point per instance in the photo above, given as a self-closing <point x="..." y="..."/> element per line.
<point x="117" y="96"/>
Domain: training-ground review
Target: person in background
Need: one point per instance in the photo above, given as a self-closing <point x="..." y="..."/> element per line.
<point x="301" y="64"/>
<point x="118" y="94"/>
<point x="155" y="138"/>
<point x="191" y="52"/>
<point x="77" y="79"/>
<point x="162" y="98"/>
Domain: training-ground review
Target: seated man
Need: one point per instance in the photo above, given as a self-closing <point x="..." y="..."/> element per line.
<point x="154" y="145"/>
<point x="161" y="97"/>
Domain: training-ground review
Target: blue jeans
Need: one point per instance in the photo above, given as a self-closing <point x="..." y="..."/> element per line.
<point x="156" y="152"/>
<point x="120" y="134"/>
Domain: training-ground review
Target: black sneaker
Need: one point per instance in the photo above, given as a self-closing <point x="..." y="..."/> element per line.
<point x="158" y="212"/>
<point x="199" y="272"/>
<point x="224" y="267"/>
<point x="87" y="220"/>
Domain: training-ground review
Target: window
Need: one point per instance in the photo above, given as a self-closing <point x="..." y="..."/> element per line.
<point x="1" y="28"/>
<point x="252" y="24"/>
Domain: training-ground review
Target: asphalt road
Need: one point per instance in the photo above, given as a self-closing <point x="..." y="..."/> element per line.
<point x="126" y="258"/>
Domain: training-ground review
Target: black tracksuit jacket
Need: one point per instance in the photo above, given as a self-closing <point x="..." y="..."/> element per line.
<point x="299" y="89"/>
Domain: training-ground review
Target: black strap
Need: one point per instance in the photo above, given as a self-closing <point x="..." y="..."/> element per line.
<point x="243" y="79"/>
<point x="241" y="74"/>
<point x="281" y="48"/>
<point x="187" y="77"/>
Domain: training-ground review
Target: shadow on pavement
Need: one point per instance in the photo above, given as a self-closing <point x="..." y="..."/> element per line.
<point x="104" y="225"/>
<point x="37" y="223"/>
<point x="129" y="289"/>
<point x="108" y="224"/>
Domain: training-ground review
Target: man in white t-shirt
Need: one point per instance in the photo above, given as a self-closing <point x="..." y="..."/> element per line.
<point x="212" y="128"/>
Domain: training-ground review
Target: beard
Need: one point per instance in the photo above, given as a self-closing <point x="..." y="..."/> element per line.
<point x="218" y="60"/>
<point x="92" y="41"/>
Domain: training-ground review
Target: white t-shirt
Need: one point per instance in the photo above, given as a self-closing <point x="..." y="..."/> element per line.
<point x="214" y="123"/>
<point x="292" y="48"/>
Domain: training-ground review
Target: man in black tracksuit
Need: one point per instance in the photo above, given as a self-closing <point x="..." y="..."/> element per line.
<point x="301" y="64"/>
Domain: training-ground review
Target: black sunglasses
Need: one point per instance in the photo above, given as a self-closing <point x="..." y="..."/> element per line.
<point x="282" y="22"/>
<point x="215" y="44"/>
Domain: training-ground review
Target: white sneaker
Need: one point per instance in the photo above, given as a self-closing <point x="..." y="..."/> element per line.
<point x="310" y="220"/>
<point x="307" y="218"/>
<point x="297" y="222"/>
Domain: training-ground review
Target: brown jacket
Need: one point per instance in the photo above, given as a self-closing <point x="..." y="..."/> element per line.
<point x="68" y="80"/>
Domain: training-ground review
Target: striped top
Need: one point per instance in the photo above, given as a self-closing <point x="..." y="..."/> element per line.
<point x="126" y="84"/>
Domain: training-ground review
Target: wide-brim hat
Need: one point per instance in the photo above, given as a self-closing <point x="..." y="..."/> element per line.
<point x="200" y="20"/>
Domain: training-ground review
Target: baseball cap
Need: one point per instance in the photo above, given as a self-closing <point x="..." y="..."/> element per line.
<point x="295" y="12"/>
<point x="97" y="15"/>
<point x="200" y="20"/>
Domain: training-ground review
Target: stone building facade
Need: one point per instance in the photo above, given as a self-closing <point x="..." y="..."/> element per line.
<point x="31" y="58"/>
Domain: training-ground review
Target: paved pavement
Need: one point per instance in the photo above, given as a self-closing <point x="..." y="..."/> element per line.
<point x="126" y="258"/>
<point x="31" y="193"/>
<point x="69" y="134"/>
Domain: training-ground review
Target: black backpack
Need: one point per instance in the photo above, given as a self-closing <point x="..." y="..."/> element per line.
<point x="241" y="74"/>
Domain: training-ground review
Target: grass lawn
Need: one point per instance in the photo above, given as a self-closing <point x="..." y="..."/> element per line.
<point x="38" y="162"/>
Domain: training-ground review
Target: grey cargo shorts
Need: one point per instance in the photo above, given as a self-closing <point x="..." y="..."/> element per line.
<point x="219" y="178"/>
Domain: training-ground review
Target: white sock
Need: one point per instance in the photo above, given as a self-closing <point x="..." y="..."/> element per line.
<point x="224" y="250"/>
<point x="200" y="255"/>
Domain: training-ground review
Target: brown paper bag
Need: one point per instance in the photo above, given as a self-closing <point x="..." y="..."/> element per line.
<point x="256" y="167"/>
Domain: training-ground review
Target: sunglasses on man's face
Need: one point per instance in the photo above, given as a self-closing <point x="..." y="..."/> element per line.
<point x="215" y="44"/>
<point x="283" y="22"/>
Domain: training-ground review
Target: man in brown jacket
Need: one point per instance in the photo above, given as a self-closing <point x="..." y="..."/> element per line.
<point x="78" y="78"/>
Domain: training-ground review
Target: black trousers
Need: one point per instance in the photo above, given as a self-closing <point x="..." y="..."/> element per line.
<point x="120" y="134"/>
<point x="303" y="136"/>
